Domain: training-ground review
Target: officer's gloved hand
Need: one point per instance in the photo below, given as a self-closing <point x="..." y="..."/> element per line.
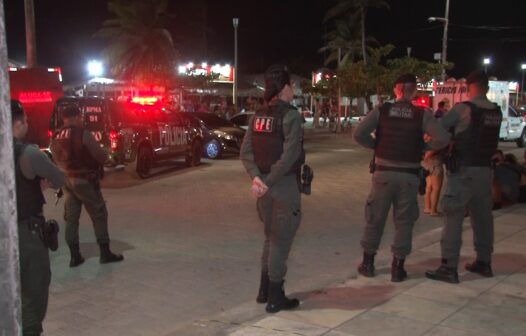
<point x="259" y="188"/>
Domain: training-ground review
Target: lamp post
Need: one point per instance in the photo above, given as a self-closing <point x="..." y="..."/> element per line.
<point x="235" y="21"/>
<point x="486" y="62"/>
<point x="445" y="21"/>
<point x="523" y="67"/>
<point x="95" y="69"/>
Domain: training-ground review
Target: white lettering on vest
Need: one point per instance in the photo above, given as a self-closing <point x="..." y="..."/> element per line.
<point x="401" y="112"/>
<point x="64" y="134"/>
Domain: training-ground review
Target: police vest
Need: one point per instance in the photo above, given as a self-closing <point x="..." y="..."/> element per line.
<point x="268" y="138"/>
<point x="69" y="152"/>
<point x="478" y="143"/>
<point x="399" y="135"/>
<point x="29" y="198"/>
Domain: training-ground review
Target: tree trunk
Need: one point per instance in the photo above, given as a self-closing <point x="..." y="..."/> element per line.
<point x="364" y="47"/>
<point x="31" y="46"/>
<point x="10" y="275"/>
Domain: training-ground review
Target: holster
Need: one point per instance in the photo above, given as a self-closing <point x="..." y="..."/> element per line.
<point x="47" y="230"/>
<point x="422" y="185"/>
<point x="451" y="160"/>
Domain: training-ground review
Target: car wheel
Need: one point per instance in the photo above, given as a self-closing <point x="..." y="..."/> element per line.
<point x="144" y="162"/>
<point x="213" y="150"/>
<point x="521" y="142"/>
<point x="194" y="157"/>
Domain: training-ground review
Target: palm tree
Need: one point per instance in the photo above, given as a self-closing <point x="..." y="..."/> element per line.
<point x="344" y="42"/>
<point x="140" y="46"/>
<point x="352" y="9"/>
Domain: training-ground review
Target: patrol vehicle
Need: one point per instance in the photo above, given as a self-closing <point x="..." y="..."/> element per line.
<point x="138" y="133"/>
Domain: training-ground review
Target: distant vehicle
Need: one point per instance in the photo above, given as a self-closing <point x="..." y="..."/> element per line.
<point x="37" y="89"/>
<point x="137" y="134"/>
<point x="242" y="119"/>
<point x="219" y="136"/>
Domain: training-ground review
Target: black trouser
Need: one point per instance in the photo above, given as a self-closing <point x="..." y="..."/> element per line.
<point x="35" y="277"/>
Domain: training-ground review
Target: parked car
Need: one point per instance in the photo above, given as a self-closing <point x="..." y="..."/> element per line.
<point x="135" y="135"/>
<point x="219" y="136"/>
<point x="242" y="119"/>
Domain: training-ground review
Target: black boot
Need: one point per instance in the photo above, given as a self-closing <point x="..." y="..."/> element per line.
<point x="366" y="268"/>
<point x="277" y="300"/>
<point x="76" y="258"/>
<point x="398" y="273"/>
<point x="106" y="256"/>
<point x="444" y="273"/>
<point x="480" y="267"/>
<point x="263" y="288"/>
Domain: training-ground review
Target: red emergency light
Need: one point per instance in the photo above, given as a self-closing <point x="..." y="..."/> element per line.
<point x="421" y="101"/>
<point x="114" y="140"/>
<point x="29" y="97"/>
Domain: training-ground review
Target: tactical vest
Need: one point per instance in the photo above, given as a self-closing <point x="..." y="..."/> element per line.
<point x="69" y="152"/>
<point x="29" y="198"/>
<point x="399" y="134"/>
<point x="268" y="138"/>
<point x="478" y="143"/>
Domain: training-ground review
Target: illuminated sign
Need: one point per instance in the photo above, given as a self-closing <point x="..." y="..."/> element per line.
<point x="29" y="97"/>
<point x="317" y="77"/>
<point x="145" y="100"/>
<point x="225" y="72"/>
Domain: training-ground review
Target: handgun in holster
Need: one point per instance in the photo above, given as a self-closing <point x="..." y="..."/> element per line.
<point x="307" y="175"/>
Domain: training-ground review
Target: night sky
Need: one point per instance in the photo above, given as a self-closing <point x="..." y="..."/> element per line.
<point x="288" y="31"/>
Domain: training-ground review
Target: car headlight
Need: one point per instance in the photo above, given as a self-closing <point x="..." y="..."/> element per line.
<point x="224" y="135"/>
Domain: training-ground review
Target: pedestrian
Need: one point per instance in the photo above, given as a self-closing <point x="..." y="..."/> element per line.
<point x="33" y="172"/>
<point x="442" y="109"/>
<point x="272" y="154"/>
<point x="476" y="125"/>
<point x="81" y="158"/>
<point x="398" y="149"/>
<point x="433" y="165"/>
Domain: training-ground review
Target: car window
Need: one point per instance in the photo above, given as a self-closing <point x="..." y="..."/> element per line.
<point x="240" y="120"/>
<point x="512" y="113"/>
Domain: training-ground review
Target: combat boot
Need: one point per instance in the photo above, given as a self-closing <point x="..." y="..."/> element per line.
<point x="263" y="288"/>
<point x="277" y="300"/>
<point x="398" y="273"/>
<point x="444" y="273"/>
<point x="366" y="268"/>
<point x="480" y="267"/>
<point x="106" y="256"/>
<point x="76" y="258"/>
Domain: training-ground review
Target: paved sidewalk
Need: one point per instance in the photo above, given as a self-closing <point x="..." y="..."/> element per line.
<point x="376" y="307"/>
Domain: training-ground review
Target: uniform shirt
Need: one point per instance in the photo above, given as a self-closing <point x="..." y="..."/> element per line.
<point x="94" y="148"/>
<point x="459" y="116"/>
<point x="34" y="163"/>
<point x="292" y="146"/>
<point x="430" y="125"/>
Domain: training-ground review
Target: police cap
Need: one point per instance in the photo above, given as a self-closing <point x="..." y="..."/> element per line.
<point x="406" y="78"/>
<point x="478" y="77"/>
<point x="276" y="77"/>
<point x="70" y="111"/>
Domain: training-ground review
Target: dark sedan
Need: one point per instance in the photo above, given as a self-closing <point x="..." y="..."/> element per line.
<point x="220" y="136"/>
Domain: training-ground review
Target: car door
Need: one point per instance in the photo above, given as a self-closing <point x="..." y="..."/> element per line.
<point x="180" y="138"/>
<point x="162" y="134"/>
<point x="514" y="124"/>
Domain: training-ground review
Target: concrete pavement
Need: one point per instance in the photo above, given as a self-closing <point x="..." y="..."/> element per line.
<point x="375" y="306"/>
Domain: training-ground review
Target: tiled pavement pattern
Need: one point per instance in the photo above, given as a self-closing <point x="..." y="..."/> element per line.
<point x="192" y="242"/>
<point x="417" y="307"/>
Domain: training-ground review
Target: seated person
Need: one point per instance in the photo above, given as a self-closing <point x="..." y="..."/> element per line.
<point x="507" y="179"/>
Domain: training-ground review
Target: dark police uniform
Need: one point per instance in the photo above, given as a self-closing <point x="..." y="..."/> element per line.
<point x="31" y="166"/>
<point x="79" y="155"/>
<point x="398" y="147"/>
<point x="273" y="150"/>
<point x="476" y="127"/>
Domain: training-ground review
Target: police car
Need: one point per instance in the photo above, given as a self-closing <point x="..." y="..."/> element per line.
<point x="136" y="133"/>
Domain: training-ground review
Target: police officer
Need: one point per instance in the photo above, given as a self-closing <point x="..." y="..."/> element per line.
<point x="272" y="154"/>
<point x="33" y="171"/>
<point x="81" y="158"/>
<point x="398" y="147"/>
<point x="476" y="125"/>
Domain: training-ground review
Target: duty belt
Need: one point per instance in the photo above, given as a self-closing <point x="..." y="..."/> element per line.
<point x="415" y="171"/>
<point x="33" y="223"/>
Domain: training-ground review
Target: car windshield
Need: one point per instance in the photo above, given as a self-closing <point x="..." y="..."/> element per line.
<point x="213" y="120"/>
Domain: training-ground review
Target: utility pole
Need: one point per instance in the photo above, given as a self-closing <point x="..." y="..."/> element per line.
<point x="10" y="307"/>
<point x="31" y="45"/>
<point x="444" y="42"/>
<point x="338" y="122"/>
<point x="235" y="21"/>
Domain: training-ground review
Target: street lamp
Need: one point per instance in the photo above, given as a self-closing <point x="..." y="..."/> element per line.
<point x="486" y="61"/>
<point x="95" y="68"/>
<point x="523" y="67"/>
<point x="235" y="21"/>
<point x="445" y="21"/>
